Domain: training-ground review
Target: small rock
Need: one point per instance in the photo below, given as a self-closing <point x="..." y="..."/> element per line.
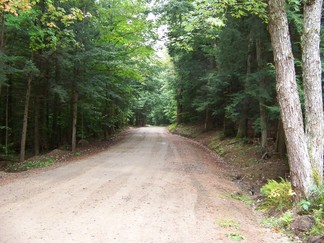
<point x="302" y="224"/>
<point x="315" y="239"/>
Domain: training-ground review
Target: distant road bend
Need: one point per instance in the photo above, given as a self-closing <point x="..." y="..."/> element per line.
<point x="150" y="187"/>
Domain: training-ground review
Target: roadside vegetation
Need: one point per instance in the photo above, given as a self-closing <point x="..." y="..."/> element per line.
<point x="265" y="182"/>
<point x="42" y="162"/>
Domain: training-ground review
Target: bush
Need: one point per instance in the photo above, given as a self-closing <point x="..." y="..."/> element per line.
<point x="277" y="196"/>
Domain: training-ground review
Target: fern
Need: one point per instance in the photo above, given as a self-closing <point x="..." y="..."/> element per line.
<point x="277" y="196"/>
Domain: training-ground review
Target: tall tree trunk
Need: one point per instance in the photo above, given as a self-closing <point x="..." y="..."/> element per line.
<point x="7" y="122"/>
<point x="179" y="106"/>
<point x="36" y="127"/>
<point x="243" y="121"/>
<point x="290" y="107"/>
<point x="281" y="140"/>
<point x="2" y="39"/>
<point x="56" y="128"/>
<point x="74" y="119"/>
<point x="312" y="82"/>
<point x="208" y="120"/>
<point x="25" y="120"/>
<point x="262" y="87"/>
<point x="55" y="138"/>
<point x="228" y="127"/>
<point x="242" y="127"/>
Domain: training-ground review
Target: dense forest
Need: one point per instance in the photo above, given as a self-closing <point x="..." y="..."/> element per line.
<point x="71" y="70"/>
<point x="80" y="69"/>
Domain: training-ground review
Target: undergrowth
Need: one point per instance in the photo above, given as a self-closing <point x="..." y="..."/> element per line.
<point x="279" y="223"/>
<point x="42" y="162"/>
<point x="216" y="146"/>
<point x="242" y="197"/>
<point x="314" y="206"/>
<point x="184" y="130"/>
<point x="277" y="196"/>
<point x="172" y="127"/>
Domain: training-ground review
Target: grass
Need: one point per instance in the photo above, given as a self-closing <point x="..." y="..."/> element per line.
<point x="172" y="127"/>
<point x="318" y="228"/>
<point x="43" y="162"/>
<point x="236" y="236"/>
<point x="242" y="197"/>
<point x="77" y="154"/>
<point x="278" y="223"/>
<point x="216" y="146"/>
<point x="231" y="224"/>
<point x="228" y="223"/>
<point x="185" y="130"/>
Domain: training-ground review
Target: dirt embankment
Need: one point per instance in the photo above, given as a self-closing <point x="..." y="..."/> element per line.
<point x="248" y="166"/>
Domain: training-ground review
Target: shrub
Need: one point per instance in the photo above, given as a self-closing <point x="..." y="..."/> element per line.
<point x="277" y="196"/>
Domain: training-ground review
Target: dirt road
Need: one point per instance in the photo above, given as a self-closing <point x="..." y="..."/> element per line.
<point x="150" y="187"/>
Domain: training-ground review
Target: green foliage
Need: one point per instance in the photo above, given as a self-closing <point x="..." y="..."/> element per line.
<point x="305" y="205"/>
<point x="228" y="223"/>
<point x="236" y="236"/>
<point x="316" y="201"/>
<point x="278" y="223"/>
<point x="314" y="207"/>
<point x="242" y="197"/>
<point x="101" y="50"/>
<point x="172" y="127"/>
<point x="277" y="196"/>
<point x="209" y="47"/>
<point x="216" y="146"/>
<point x="43" y="162"/>
<point x="318" y="227"/>
<point x="286" y="219"/>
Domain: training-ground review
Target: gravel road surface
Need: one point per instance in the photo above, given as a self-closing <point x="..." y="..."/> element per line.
<point x="150" y="187"/>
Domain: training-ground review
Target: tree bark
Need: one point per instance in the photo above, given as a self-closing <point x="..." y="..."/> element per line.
<point x="179" y="106"/>
<point x="290" y="107"/>
<point x="25" y="120"/>
<point x="228" y="127"/>
<point x="281" y="140"/>
<point x="262" y="108"/>
<point x="2" y="40"/>
<point x="7" y="122"/>
<point x="242" y="128"/>
<point x="56" y="129"/>
<point x="243" y="121"/>
<point x="208" y="120"/>
<point x="36" y="127"/>
<point x="74" y="119"/>
<point x="312" y="82"/>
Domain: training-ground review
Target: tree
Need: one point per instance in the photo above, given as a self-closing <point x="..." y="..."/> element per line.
<point x="312" y="81"/>
<point x="304" y="170"/>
